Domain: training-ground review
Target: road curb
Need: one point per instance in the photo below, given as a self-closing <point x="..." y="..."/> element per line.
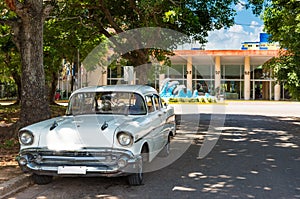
<point x="15" y="184"/>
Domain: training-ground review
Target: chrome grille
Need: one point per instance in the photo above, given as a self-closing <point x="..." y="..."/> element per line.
<point x="100" y="157"/>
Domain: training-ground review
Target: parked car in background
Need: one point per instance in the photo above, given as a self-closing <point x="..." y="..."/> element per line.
<point x="107" y="131"/>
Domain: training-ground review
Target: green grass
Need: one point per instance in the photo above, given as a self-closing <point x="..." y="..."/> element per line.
<point x="10" y="114"/>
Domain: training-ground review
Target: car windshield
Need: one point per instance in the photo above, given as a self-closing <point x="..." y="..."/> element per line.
<point x="121" y="103"/>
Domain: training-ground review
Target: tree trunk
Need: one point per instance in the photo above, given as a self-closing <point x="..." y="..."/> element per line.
<point x="139" y="59"/>
<point x="33" y="76"/>
<point x="52" y="88"/>
<point x="142" y="73"/>
<point x="28" y="38"/>
<point x="17" y="78"/>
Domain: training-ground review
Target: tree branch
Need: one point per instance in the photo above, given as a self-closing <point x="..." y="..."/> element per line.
<point x="133" y="6"/>
<point x="9" y="22"/>
<point x="109" y="17"/>
<point x="47" y="10"/>
<point x="18" y="7"/>
<point x="11" y="4"/>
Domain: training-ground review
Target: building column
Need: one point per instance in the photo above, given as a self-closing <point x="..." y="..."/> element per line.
<point x="217" y="72"/>
<point x="189" y="73"/>
<point x="266" y="87"/>
<point x="247" y="78"/>
<point x="277" y="92"/>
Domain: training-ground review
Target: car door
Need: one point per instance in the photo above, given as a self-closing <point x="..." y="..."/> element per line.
<point x="154" y="124"/>
<point x="161" y="112"/>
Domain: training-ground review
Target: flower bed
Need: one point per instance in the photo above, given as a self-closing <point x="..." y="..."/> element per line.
<point x="200" y="100"/>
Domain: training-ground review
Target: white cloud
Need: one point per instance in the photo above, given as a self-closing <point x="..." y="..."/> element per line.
<point x="231" y="39"/>
<point x="254" y="23"/>
<point x="236" y="29"/>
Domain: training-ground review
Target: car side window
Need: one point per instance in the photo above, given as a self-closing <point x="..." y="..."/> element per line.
<point x="157" y="102"/>
<point x="150" y="104"/>
<point x="137" y="104"/>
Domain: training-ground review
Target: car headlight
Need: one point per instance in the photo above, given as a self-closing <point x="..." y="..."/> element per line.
<point x="125" y="139"/>
<point x="26" y="137"/>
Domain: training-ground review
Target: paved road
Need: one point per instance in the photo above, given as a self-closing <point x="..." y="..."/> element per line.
<point x="255" y="157"/>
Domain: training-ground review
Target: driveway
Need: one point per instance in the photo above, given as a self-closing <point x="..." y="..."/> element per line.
<point x="248" y="156"/>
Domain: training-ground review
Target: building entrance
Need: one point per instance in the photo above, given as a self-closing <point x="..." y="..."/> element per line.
<point x="262" y="89"/>
<point x="261" y="84"/>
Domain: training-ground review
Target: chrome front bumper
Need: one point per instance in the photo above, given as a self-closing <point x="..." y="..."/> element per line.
<point x="89" y="162"/>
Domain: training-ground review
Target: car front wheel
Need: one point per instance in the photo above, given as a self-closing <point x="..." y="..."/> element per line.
<point x="136" y="179"/>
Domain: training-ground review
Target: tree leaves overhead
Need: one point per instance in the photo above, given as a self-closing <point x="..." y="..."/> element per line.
<point x="282" y="21"/>
<point x="191" y="17"/>
<point x="194" y="18"/>
<point x="76" y="23"/>
<point x="80" y="24"/>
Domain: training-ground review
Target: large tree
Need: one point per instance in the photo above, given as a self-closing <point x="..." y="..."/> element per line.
<point x="64" y="38"/>
<point x="27" y="20"/>
<point x="282" y="22"/>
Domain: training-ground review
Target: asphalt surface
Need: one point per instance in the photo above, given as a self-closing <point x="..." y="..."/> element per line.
<point x="231" y="152"/>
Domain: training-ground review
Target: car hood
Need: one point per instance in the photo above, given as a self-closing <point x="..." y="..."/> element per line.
<point x="78" y="132"/>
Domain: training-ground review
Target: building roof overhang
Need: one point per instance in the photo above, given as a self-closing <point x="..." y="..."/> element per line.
<point x="233" y="57"/>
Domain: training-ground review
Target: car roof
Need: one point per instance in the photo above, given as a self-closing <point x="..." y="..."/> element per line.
<point x="140" y="89"/>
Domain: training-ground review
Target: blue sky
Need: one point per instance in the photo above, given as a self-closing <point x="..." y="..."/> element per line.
<point x="247" y="28"/>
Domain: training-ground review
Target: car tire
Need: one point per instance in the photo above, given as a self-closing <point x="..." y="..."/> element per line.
<point x="136" y="179"/>
<point x="41" y="179"/>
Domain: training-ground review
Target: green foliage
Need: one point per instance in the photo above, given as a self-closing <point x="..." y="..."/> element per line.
<point x="9" y="114"/>
<point x="57" y="110"/>
<point x="98" y="56"/>
<point x="193" y="18"/>
<point x="64" y="36"/>
<point x="9" y="56"/>
<point x="211" y="100"/>
<point x="282" y="21"/>
<point x="9" y="144"/>
<point x="10" y="67"/>
<point x="173" y="100"/>
<point x="286" y="69"/>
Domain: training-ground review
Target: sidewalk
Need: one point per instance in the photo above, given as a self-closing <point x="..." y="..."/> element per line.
<point x="14" y="185"/>
<point x="12" y="179"/>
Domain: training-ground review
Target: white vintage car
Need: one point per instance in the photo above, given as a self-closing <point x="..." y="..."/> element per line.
<point x="107" y="131"/>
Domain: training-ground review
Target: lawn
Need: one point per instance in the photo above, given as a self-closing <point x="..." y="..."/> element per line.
<point x="9" y="115"/>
